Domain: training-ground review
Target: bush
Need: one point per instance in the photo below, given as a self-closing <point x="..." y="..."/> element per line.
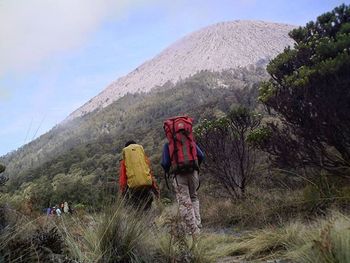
<point x="230" y="158"/>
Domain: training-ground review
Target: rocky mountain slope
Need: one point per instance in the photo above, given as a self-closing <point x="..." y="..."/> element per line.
<point x="215" y="48"/>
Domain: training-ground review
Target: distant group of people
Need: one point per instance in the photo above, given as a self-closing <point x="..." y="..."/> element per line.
<point x="181" y="159"/>
<point x="57" y="210"/>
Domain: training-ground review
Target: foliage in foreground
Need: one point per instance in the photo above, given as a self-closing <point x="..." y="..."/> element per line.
<point x="122" y="234"/>
<point x="117" y="235"/>
<point x="26" y="240"/>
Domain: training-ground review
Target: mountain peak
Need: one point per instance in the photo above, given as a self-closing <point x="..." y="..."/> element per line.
<point x="217" y="47"/>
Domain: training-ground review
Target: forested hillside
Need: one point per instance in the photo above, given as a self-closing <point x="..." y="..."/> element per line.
<point x="75" y="160"/>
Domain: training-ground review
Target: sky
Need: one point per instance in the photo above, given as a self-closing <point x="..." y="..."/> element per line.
<point x="55" y="55"/>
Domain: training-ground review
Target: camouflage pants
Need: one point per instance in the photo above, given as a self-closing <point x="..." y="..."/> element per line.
<point x="186" y="195"/>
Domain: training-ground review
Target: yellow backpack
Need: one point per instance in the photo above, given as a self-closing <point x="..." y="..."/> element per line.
<point x="138" y="171"/>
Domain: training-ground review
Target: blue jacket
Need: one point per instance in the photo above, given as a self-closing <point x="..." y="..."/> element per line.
<point x="166" y="161"/>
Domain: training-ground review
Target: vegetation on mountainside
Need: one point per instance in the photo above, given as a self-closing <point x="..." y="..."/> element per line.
<point x="229" y="156"/>
<point x="126" y="113"/>
<point x="85" y="162"/>
<point x="309" y="90"/>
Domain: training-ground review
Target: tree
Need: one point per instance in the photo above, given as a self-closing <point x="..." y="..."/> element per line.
<point x="229" y="157"/>
<point x="309" y="89"/>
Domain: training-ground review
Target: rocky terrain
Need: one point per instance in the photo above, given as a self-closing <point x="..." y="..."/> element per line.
<point x="217" y="47"/>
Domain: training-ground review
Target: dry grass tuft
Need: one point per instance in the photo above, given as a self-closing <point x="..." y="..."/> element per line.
<point x="258" y="209"/>
<point x="119" y="234"/>
<point x="29" y="240"/>
<point x="326" y="240"/>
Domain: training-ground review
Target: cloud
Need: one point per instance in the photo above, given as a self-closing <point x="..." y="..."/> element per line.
<point x="32" y="31"/>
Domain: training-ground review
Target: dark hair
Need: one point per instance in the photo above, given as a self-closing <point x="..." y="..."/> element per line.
<point x="130" y="142"/>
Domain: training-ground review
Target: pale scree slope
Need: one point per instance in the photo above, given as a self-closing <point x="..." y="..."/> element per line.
<point x="217" y="47"/>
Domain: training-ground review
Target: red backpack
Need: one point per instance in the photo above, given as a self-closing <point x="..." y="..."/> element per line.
<point x="182" y="148"/>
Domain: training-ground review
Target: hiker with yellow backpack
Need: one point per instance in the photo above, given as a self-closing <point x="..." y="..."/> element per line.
<point x="135" y="178"/>
<point x="181" y="159"/>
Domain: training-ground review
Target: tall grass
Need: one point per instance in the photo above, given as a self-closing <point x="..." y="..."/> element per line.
<point x="324" y="241"/>
<point x="258" y="209"/>
<point x="263" y="207"/>
<point x="174" y="245"/>
<point x="29" y="240"/>
<point x="123" y="234"/>
<point x="120" y="234"/>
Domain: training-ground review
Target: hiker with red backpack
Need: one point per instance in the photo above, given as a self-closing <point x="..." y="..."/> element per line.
<point x="181" y="159"/>
<point x="136" y="181"/>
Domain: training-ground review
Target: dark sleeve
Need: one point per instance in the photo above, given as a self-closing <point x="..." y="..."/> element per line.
<point x="200" y="154"/>
<point x="166" y="163"/>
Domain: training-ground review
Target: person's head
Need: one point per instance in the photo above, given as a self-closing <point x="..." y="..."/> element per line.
<point x="129" y="142"/>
